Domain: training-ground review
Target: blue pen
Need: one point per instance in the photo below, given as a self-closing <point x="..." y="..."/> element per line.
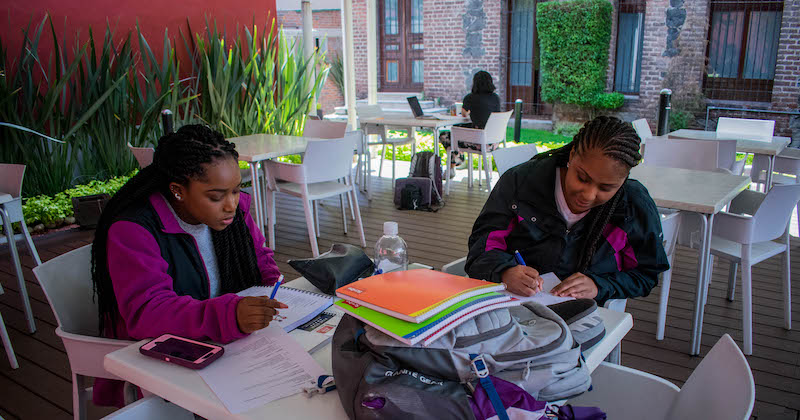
<point x="518" y="257"/>
<point x="277" y="285"/>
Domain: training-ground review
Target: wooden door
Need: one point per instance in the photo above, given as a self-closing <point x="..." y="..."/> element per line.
<point x="402" y="53"/>
<point x="523" y="60"/>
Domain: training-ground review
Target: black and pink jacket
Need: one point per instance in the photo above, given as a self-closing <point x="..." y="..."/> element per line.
<point x="161" y="284"/>
<point x="521" y="214"/>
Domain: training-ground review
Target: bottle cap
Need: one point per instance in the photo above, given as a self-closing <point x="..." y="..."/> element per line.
<point x="390" y="228"/>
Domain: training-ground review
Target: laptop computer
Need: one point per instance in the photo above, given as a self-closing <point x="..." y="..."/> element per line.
<point x="416" y="109"/>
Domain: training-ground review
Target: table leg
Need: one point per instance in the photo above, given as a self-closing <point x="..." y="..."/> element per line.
<point x="436" y="140"/>
<point x="269" y="212"/>
<point x="257" y="194"/>
<point x="771" y="167"/>
<point x="703" y="279"/>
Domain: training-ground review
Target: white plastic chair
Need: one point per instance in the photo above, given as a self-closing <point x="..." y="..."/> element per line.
<point x="327" y="130"/>
<point x="12" y="358"/>
<point x="143" y="155"/>
<point x="745" y="235"/>
<point x="642" y="128"/>
<point x="67" y="283"/>
<point x="11" y="212"/>
<point x="509" y="157"/>
<point x="721" y="387"/>
<point x="494" y="132"/>
<point x="151" y="408"/>
<point x="786" y="171"/>
<point x="759" y="130"/>
<point x="324" y="164"/>
<point x="700" y="155"/>
<point x="375" y="111"/>
<point x="670" y="227"/>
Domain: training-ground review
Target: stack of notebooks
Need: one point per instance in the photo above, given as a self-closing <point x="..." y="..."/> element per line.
<point x="420" y="305"/>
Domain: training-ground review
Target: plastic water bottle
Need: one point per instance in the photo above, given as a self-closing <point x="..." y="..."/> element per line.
<point x="391" y="251"/>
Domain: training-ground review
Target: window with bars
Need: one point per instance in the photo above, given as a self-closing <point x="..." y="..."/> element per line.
<point x="416" y="16"/>
<point x="390" y="17"/>
<point x="521" y="37"/>
<point x="742" y="49"/>
<point x="630" y="35"/>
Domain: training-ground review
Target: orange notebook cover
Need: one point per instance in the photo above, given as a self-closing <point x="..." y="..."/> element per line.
<point x="414" y="295"/>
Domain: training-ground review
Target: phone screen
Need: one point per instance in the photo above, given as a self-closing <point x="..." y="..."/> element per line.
<point x="181" y="349"/>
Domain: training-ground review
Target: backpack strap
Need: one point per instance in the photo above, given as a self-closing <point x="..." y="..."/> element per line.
<point x="480" y="369"/>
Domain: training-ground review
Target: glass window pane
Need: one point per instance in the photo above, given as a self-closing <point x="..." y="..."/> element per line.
<point x="392" y="47"/>
<point x="417" y="46"/>
<point x="727" y="29"/>
<point x="391" y="72"/>
<point x="521" y="63"/>
<point x="417" y="71"/>
<point x="628" y="63"/>
<point x="416" y="16"/>
<point x="390" y="17"/>
<point x="761" y="54"/>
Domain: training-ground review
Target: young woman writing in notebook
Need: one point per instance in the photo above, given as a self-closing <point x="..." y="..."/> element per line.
<point x="175" y="244"/>
<point x="573" y="211"/>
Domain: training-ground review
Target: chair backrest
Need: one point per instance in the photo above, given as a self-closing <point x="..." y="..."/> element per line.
<point x="329" y="160"/>
<point x="456" y="268"/>
<point x="324" y="129"/>
<point x="699" y="155"/>
<point x="497" y="126"/>
<point x="508" y="157"/>
<point x="670" y="226"/>
<point x="11" y="178"/>
<point x="773" y="214"/>
<point x="726" y="158"/>
<point x="143" y="155"/>
<point x="642" y="128"/>
<point x="760" y="130"/>
<point x="721" y="387"/>
<point x="369" y="111"/>
<point x="67" y="283"/>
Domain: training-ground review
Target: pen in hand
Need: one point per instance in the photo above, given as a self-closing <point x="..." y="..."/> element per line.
<point x="520" y="261"/>
<point x="277" y="285"/>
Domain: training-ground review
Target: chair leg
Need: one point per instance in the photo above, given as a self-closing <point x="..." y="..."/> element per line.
<point x="487" y="166"/>
<point x="312" y="236"/>
<point x="12" y="246"/>
<point x="12" y="358"/>
<point x="349" y="203"/>
<point x="480" y="184"/>
<point x="316" y="215"/>
<point x="383" y="157"/>
<point x="469" y="170"/>
<point x="78" y="397"/>
<point x="787" y="289"/>
<point x="615" y="357"/>
<point x="394" y="161"/>
<point x="666" y="282"/>
<point x="344" y="211"/>
<point x="732" y="280"/>
<point x="270" y="194"/>
<point x="747" y="301"/>
<point x="356" y="208"/>
<point x="448" y="162"/>
<point x="29" y="242"/>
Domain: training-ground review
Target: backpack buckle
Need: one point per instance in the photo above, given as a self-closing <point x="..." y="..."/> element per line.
<point x="479" y="366"/>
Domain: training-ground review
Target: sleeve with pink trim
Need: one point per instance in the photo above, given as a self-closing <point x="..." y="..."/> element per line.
<point x="488" y="254"/>
<point x="147" y="302"/>
<point x="266" y="263"/>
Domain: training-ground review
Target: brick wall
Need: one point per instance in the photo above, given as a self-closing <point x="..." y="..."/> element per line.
<point x="330" y="97"/>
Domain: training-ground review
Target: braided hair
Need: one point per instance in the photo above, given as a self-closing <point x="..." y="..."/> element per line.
<point x="180" y="157"/>
<point x="615" y="139"/>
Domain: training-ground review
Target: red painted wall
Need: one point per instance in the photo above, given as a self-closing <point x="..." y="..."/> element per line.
<point x="122" y="15"/>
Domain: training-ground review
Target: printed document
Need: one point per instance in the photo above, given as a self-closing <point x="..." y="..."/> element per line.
<point x="266" y="366"/>
<point x="545" y="297"/>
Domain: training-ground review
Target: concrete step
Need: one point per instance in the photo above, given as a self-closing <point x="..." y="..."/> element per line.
<point x="397" y="96"/>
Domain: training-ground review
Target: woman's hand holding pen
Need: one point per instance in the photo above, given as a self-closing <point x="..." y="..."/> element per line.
<point x="256" y="312"/>
<point x="522" y="280"/>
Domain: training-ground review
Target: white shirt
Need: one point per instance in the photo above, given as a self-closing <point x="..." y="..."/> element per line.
<point x="561" y="202"/>
<point x="202" y="235"/>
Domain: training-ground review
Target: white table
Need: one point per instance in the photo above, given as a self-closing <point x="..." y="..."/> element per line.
<point x="411" y="123"/>
<point x="187" y="389"/>
<point x="744" y="144"/>
<point x="701" y="192"/>
<point x="255" y="149"/>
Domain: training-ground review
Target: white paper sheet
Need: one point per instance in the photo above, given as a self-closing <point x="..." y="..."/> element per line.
<point x="303" y="305"/>
<point x="544" y="297"/>
<point x="266" y="366"/>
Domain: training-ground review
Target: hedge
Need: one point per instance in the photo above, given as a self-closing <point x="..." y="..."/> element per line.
<point x="574" y="38"/>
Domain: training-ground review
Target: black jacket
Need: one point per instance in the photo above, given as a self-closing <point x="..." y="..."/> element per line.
<point x="521" y="214"/>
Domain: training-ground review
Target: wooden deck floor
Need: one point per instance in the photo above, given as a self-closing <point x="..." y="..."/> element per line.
<point x="41" y="387"/>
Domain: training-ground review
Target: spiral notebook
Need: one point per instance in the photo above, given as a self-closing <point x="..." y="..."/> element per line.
<point x="303" y="304"/>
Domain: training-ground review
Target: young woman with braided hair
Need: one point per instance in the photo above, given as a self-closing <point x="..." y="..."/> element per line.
<point x="175" y="244"/>
<point x="573" y="211"/>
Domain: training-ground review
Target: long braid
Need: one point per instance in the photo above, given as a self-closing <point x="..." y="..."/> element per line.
<point x="179" y="157"/>
<point x="616" y="139"/>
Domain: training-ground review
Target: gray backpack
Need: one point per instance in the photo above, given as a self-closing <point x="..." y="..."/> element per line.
<point x="529" y="346"/>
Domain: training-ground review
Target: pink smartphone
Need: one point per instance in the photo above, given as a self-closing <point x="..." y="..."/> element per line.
<point x="182" y="351"/>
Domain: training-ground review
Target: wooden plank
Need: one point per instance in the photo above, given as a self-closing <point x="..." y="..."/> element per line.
<point x="24" y="404"/>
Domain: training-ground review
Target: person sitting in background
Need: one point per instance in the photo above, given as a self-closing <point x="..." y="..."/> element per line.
<point x="174" y="245"/>
<point x="477" y="105"/>
<point x="573" y="211"/>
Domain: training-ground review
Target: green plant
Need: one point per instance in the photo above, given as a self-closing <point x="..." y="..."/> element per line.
<point x="574" y="38"/>
<point x="566" y="129"/>
<point x="337" y="72"/>
<point x="679" y="119"/>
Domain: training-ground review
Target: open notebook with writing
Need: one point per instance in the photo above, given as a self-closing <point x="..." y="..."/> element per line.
<point x="303" y="304"/>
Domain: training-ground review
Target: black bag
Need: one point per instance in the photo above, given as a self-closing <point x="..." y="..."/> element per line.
<point x="340" y="266"/>
<point x="410" y="197"/>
